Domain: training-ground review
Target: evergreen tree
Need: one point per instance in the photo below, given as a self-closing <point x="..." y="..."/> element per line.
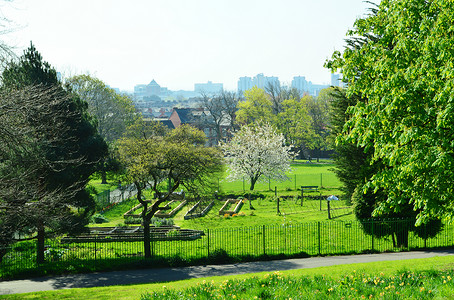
<point x="53" y="149"/>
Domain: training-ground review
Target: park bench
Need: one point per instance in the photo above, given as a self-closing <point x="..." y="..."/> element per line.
<point x="310" y="188"/>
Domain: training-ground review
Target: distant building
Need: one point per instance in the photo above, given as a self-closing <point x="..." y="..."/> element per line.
<point x="301" y="84"/>
<point x="261" y="81"/>
<point x="244" y="84"/>
<point x="148" y="90"/>
<point x="209" y="88"/>
<point x="200" y="119"/>
<point x="307" y="87"/>
<point x="336" y="80"/>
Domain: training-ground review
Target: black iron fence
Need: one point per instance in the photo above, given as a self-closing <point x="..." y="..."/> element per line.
<point x="243" y="243"/>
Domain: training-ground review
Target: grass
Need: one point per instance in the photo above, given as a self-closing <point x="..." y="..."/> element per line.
<point x="99" y="187"/>
<point x="429" y="278"/>
<point x="319" y="174"/>
<point x="265" y="212"/>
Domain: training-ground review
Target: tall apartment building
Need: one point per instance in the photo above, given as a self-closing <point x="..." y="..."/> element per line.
<point x="301" y="84"/>
<point x="260" y="81"/>
<point x="336" y="80"/>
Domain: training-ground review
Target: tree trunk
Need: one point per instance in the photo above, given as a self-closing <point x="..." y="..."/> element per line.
<point x="402" y="239"/>
<point x="40" y="244"/>
<point x="103" y="176"/>
<point x="146" y="238"/>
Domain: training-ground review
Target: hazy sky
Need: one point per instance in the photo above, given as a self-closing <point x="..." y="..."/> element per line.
<point x="182" y="42"/>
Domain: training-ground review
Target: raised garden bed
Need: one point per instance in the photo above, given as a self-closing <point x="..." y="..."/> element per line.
<point x="130" y="213"/>
<point x="163" y="214"/>
<point x="225" y="209"/>
<point x="193" y="212"/>
<point x="134" y="233"/>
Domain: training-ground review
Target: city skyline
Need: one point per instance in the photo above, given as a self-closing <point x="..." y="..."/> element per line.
<point x="244" y="83"/>
<point x="182" y="42"/>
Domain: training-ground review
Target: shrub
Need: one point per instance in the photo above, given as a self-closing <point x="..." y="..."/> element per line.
<point x="158" y="222"/>
<point x="99" y="219"/>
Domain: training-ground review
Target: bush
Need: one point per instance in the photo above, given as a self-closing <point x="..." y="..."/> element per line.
<point x="99" y="219"/>
<point x="158" y="222"/>
<point x="131" y="220"/>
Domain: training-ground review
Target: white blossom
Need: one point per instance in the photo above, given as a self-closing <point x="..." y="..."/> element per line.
<point x="257" y="152"/>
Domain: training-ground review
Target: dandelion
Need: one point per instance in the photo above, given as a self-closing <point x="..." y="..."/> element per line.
<point x="421" y="289"/>
<point x="330" y="289"/>
<point x="363" y="297"/>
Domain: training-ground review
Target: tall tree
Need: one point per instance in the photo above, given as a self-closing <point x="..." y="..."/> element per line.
<point x="257" y="107"/>
<point x="113" y="112"/>
<point x="319" y="109"/>
<point x="398" y="58"/>
<point x="178" y="156"/>
<point x="295" y="123"/>
<point x="57" y="149"/>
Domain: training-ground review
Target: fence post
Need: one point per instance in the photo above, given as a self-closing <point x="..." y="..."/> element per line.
<point x="321" y="180"/>
<point x="372" y="230"/>
<point x="319" y="238"/>
<point x="263" y="234"/>
<point x="425" y="236"/>
<point x="295" y="182"/>
<point x="208" y="242"/>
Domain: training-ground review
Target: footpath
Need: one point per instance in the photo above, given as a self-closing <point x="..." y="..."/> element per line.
<point x="173" y="274"/>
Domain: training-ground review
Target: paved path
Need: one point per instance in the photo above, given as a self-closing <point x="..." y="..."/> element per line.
<point x="172" y="274"/>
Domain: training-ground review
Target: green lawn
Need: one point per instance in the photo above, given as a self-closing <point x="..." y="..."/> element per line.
<point x="429" y="278"/>
<point x="99" y="187"/>
<point x="265" y="211"/>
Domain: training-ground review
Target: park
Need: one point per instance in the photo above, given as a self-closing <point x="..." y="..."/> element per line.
<point x="88" y="184"/>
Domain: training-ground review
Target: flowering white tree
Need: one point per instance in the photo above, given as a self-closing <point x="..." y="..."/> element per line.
<point x="257" y="152"/>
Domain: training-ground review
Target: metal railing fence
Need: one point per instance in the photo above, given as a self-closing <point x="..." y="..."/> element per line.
<point x="292" y="239"/>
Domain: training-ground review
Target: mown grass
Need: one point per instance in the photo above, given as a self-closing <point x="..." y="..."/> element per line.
<point x="429" y="278"/>
<point x="265" y="210"/>
<point x="99" y="187"/>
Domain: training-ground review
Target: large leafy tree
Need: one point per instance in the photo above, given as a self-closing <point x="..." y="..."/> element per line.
<point x="257" y="151"/>
<point x="354" y="168"/>
<point x="114" y="112"/>
<point x="257" y="107"/>
<point x="399" y="58"/>
<point x="53" y="149"/>
<point x="153" y="156"/>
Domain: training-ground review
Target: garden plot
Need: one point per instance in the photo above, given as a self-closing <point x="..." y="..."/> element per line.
<point x="134" y="233"/>
<point x="231" y="206"/>
<point x="199" y="210"/>
<point x="164" y="214"/>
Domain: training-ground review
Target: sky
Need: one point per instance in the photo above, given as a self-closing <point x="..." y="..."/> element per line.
<point x="182" y="42"/>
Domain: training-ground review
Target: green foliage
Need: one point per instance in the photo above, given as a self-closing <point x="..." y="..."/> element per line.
<point x="99" y="219"/>
<point x="399" y="59"/>
<point x="49" y="149"/>
<point x="256" y="107"/>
